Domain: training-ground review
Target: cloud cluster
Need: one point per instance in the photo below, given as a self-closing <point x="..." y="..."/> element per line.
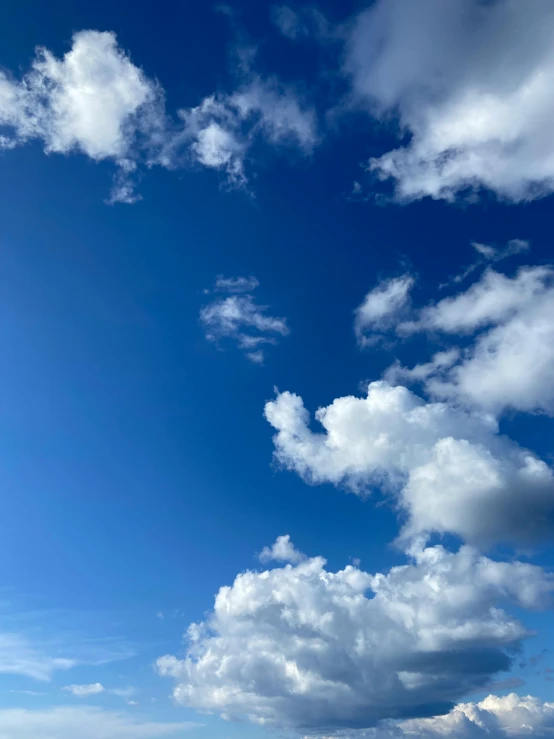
<point x="302" y="647"/>
<point x="468" y="84"/>
<point x="240" y="318"/>
<point x="448" y="468"/>
<point x="95" y="101"/>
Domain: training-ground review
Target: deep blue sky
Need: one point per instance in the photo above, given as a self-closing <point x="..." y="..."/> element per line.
<point x="135" y="470"/>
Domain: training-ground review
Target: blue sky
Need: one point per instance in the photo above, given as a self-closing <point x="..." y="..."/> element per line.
<point x="217" y="220"/>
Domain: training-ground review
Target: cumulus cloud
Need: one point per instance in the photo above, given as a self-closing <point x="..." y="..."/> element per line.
<point x="380" y="308"/>
<point x="84" y="722"/>
<point x="96" y="101"/>
<point x="283" y="550"/>
<point x="448" y="468"/>
<point x="83" y="690"/>
<point x="510" y="363"/>
<point x="93" y="100"/>
<point x="468" y="83"/>
<point x="300" y="646"/>
<point x="494" y="717"/>
<point x="238" y="317"/>
<point x="222" y="129"/>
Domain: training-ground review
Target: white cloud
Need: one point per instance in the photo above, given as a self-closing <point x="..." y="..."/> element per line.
<point x="469" y="83"/>
<point x="83" y="722"/>
<point x="235" y="284"/>
<point x="82" y="690"/>
<point x="240" y="318"/>
<point x="441" y="361"/>
<point x="223" y="127"/>
<point x="448" y="468"/>
<point x="380" y="308"/>
<point x="283" y="550"/>
<point x="494" y="717"/>
<point x="94" y="100"/>
<point x="303" y="647"/>
<point x="510" y="363"/>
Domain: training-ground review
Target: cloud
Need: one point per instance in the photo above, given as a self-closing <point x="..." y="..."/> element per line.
<point x="223" y="128"/>
<point x="509" y="364"/>
<point x="468" y="84"/>
<point x="447" y="468"/>
<point x="488" y="253"/>
<point x="235" y="284"/>
<point x="494" y="717"/>
<point x="96" y="101"/>
<point x="440" y="361"/>
<point x="380" y="308"/>
<point x="83" y="722"/>
<point x="240" y="318"/>
<point x="300" y="646"/>
<point x="83" y="690"/>
<point x="282" y="550"/>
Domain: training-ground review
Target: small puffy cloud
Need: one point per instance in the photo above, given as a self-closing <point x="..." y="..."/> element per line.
<point x="83" y="722"/>
<point x="468" y="83"/>
<point x="380" y="308"/>
<point x="303" y="647"/>
<point x="221" y="130"/>
<point x="84" y="690"/>
<point x="283" y="550"/>
<point x="240" y="318"/>
<point x="448" y="468"/>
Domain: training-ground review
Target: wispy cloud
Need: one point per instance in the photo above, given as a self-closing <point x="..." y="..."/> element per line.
<point x="239" y="318"/>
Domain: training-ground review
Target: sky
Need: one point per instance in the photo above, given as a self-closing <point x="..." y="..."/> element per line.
<point x="277" y="385"/>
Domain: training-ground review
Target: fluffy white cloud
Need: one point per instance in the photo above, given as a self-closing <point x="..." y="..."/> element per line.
<point x="397" y="374"/>
<point x="223" y="128"/>
<point x="94" y="100"/>
<point x="82" y="722"/>
<point x="510" y="364"/>
<point x="300" y="646"/>
<point x="380" y="308"/>
<point x="283" y="550"/>
<point x="82" y="690"/>
<point x="448" y="467"/>
<point x="240" y="318"/>
<point x="494" y="717"/>
<point x="469" y="84"/>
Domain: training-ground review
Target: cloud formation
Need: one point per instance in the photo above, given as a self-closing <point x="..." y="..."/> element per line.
<point x="302" y="647"/>
<point x="96" y="101"/>
<point x="510" y="362"/>
<point x="468" y="83"/>
<point x="381" y="308"/>
<point x="447" y="468"/>
<point x="238" y="317"/>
